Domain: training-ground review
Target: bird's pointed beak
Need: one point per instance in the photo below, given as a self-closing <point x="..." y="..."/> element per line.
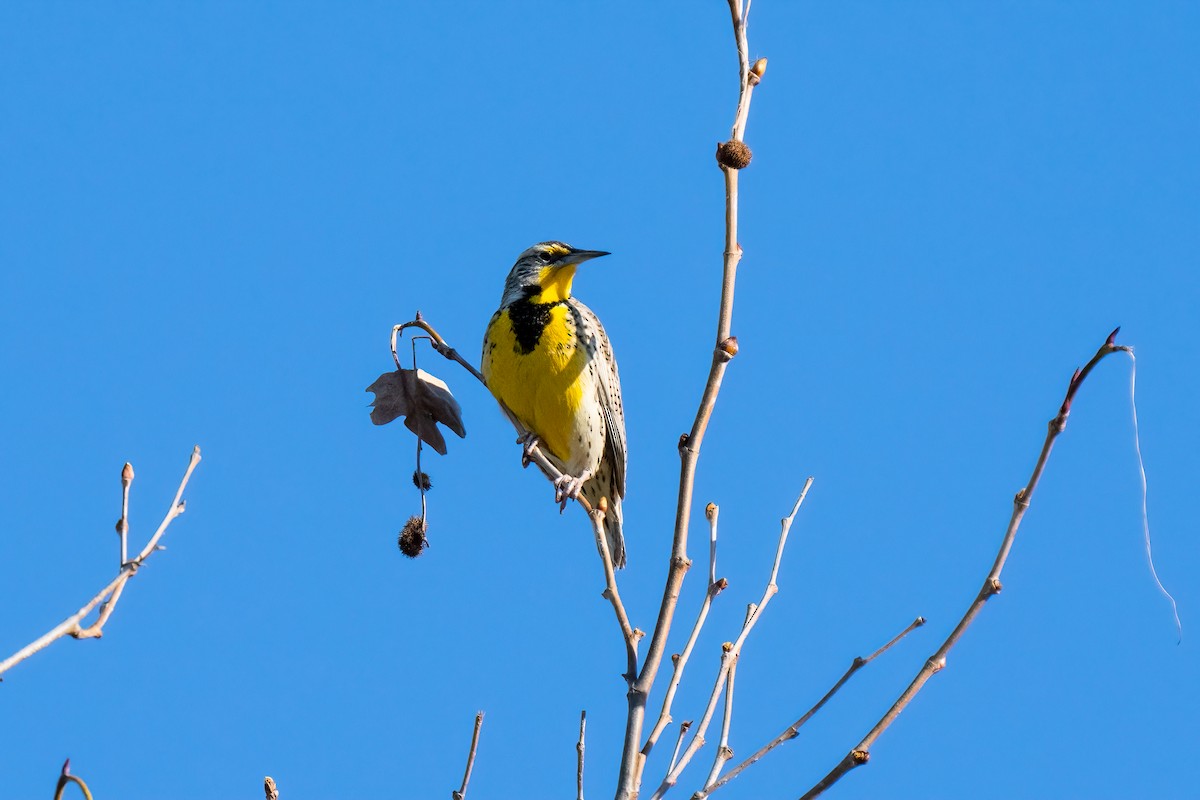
<point x="579" y="256"/>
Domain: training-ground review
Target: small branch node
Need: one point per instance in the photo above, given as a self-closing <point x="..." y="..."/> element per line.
<point x="936" y="664"/>
<point x="860" y="757"/>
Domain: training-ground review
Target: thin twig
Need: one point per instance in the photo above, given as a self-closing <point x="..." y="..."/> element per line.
<point x="724" y="348"/>
<point x="680" y="660"/>
<point x="123" y="522"/>
<point x="536" y="456"/>
<point x="731" y="651"/>
<point x="270" y="790"/>
<point x="579" y="750"/>
<point x="991" y="585"/>
<point x="65" y="777"/>
<point x="683" y="729"/>
<point x="793" y="730"/>
<point x="723" y="752"/>
<point x="111" y="593"/>
<point x="629" y="634"/>
<point x="461" y="792"/>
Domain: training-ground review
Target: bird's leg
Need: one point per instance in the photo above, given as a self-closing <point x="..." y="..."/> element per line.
<point x="566" y="487"/>
<point x="529" y="444"/>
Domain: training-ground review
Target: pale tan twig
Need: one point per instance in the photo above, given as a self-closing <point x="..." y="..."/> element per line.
<point x="991" y="585"/>
<point x="439" y="344"/>
<point x="270" y="790"/>
<point x="725" y="347"/>
<point x="461" y="792"/>
<point x="111" y="593"/>
<point x="683" y="729"/>
<point x="123" y="522"/>
<point x="793" y="730"/>
<point x="65" y="777"/>
<point x="731" y="651"/>
<point x="579" y="747"/>
<point x="723" y="752"/>
<point x="629" y="634"/>
<point x="679" y="660"/>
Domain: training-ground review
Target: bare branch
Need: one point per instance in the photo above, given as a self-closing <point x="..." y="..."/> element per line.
<point x="65" y="777"/>
<point x="629" y="634"/>
<point x="793" y="730"/>
<point x="991" y="585"/>
<point x="461" y="792"/>
<point x="111" y="593"/>
<point x="683" y="729"/>
<point x="536" y="456"/>
<point x="270" y="791"/>
<point x="731" y="651"/>
<point x="679" y="660"/>
<point x="725" y="347"/>
<point x="123" y="522"/>
<point x="723" y="752"/>
<point x="579" y="750"/>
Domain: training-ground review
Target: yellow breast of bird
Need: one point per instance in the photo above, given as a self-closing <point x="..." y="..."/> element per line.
<point x="534" y="363"/>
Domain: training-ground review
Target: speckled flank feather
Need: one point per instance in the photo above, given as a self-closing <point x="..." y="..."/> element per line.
<point x="547" y="358"/>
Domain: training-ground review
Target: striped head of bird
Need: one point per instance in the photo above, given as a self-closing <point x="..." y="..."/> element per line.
<point x="544" y="272"/>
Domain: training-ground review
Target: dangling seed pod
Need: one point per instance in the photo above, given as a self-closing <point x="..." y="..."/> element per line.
<point x="412" y="539"/>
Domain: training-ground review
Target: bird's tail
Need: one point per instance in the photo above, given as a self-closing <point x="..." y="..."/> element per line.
<point x="612" y="532"/>
<point x="612" y="520"/>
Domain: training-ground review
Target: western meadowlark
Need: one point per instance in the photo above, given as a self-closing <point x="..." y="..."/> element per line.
<point x="547" y="359"/>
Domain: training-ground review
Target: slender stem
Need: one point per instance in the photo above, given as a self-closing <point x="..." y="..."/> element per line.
<point x="680" y="660"/>
<point x="723" y="752"/>
<point x="629" y="634"/>
<point x="461" y="792"/>
<point x="65" y="778"/>
<point x="861" y="753"/>
<point x="109" y="594"/>
<point x="794" y="729"/>
<point x="536" y="456"/>
<point x="731" y="651"/>
<point x="579" y="750"/>
<point x="632" y="759"/>
<point x="683" y="729"/>
<point x="270" y="790"/>
<point x="123" y="523"/>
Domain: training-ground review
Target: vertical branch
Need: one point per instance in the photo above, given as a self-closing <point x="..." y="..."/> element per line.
<point x="461" y="792"/>
<point x="270" y="790"/>
<point x="991" y="584"/>
<point x="723" y="752"/>
<point x="731" y="651"/>
<point x="123" y="522"/>
<point x="680" y="660"/>
<point x="725" y="347"/>
<point x="579" y="751"/>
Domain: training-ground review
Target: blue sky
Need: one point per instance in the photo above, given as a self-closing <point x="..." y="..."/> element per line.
<point x="213" y="214"/>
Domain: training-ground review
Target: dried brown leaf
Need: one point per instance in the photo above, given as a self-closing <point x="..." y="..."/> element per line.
<point x="422" y="400"/>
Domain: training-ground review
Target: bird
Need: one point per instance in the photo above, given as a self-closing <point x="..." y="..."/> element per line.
<point x="549" y="362"/>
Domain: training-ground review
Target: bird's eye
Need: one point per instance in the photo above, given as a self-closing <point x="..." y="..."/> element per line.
<point x="546" y="256"/>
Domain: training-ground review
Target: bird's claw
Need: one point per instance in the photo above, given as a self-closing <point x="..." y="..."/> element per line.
<point x="529" y="445"/>
<point x="566" y="487"/>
